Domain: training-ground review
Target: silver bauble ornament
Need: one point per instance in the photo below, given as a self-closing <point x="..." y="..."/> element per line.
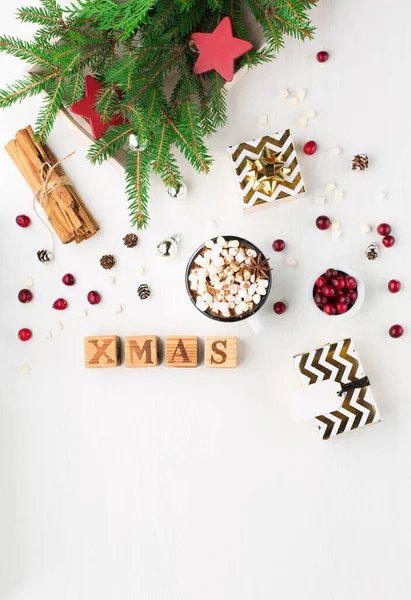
<point x="169" y="246"/>
<point x="177" y="192"/>
<point x="134" y="143"/>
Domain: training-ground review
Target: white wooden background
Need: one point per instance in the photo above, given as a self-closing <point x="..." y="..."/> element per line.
<point x="195" y="484"/>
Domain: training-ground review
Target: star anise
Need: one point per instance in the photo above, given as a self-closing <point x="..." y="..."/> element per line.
<point x="259" y="267"/>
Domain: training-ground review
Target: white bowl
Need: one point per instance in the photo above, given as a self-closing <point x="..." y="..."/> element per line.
<point x="355" y="307"/>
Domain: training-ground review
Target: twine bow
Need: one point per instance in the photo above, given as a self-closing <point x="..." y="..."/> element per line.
<point x="267" y="171"/>
<point x="46" y="187"/>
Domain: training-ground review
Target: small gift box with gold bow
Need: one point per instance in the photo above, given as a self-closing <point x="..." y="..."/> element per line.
<point x="267" y="170"/>
<point x="336" y="391"/>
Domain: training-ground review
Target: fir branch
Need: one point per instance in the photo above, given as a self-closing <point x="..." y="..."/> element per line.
<point x="109" y="143"/>
<point x="192" y="148"/>
<point x="37" y="16"/>
<point x="49" y="110"/>
<point x="106" y="102"/>
<point x="75" y="87"/>
<point x="30" y="86"/>
<point x="137" y="186"/>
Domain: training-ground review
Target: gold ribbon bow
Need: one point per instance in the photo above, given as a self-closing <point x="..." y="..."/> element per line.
<point x="267" y="171"/>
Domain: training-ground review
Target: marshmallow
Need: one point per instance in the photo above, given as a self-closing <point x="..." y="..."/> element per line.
<point x="284" y="93"/>
<point x="256" y="298"/>
<point x="209" y="244"/>
<point x="380" y="196"/>
<point x="261" y="291"/>
<point x="28" y="282"/>
<point x="118" y="309"/>
<point x="251" y="253"/>
<point x="58" y="326"/>
<point x="336" y="150"/>
<point x="220" y="241"/>
<point x="47" y="335"/>
<point x="310" y="114"/>
<point x="24" y="369"/>
<point x="233" y="244"/>
<point x="302" y="122"/>
<point x="263" y="120"/>
<point x="233" y="251"/>
<point x="301" y="95"/>
<point x="365" y="228"/>
<point x="291" y="262"/>
<point x="293" y="100"/>
<point x="263" y="283"/>
<point x="81" y="313"/>
<point x="330" y="186"/>
<point x="339" y="195"/>
<point x="111" y="279"/>
<point x="201" y="304"/>
<point x="320" y="201"/>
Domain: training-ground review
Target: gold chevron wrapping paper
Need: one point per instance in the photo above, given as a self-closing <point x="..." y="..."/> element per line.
<point x="339" y="362"/>
<point x="291" y="184"/>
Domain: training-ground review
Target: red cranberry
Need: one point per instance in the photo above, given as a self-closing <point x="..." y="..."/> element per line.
<point x="25" y="296"/>
<point x="343" y="298"/>
<point x="320" y="299"/>
<point x="384" y="229"/>
<point x="279" y="308"/>
<point x="338" y="283"/>
<point x="396" y="331"/>
<point x="329" y="309"/>
<point x="68" y="279"/>
<point x="23" y="221"/>
<point x="328" y="291"/>
<point x="352" y="294"/>
<point x="60" y="304"/>
<point x="323" y="222"/>
<point x="94" y="297"/>
<point x="321" y="281"/>
<point x="341" y="308"/>
<point x="310" y="147"/>
<point x="278" y="245"/>
<point x="330" y="273"/>
<point x="24" y="334"/>
<point x="350" y="282"/>
<point x="388" y="241"/>
<point x="394" y="286"/>
<point x="322" y="56"/>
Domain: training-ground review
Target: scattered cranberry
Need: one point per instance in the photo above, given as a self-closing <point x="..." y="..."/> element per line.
<point x="350" y="282"/>
<point x="329" y="309"/>
<point x="321" y="282"/>
<point x="25" y="296"/>
<point x="341" y="308"/>
<point x="24" y="334"/>
<point x="388" y="241"/>
<point x="320" y="299"/>
<point x="310" y="147"/>
<point x="60" y="304"/>
<point x="68" y="279"/>
<point x="23" y="221"/>
<point x="278" y="245"/>
<point x="394" y="286"/>
<point x="396" y="331"/>
<point x="323" y="222"/>
<point x="279" y="308"/>
<point x="338" y="283"/>
<point x="94" y="297"/>
<point x="322" y="56"/>
<point x="384" y="229"/>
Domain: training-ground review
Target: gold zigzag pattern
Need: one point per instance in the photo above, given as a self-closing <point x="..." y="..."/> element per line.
<point x="353" y="396"/>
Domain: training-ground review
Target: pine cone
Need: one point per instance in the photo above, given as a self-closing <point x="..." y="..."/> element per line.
<point x="143" y="291"/>
<point x="107" y="261"/>
<point x="360" y="162"/>
<point x="371" y="252"/>
<point x="44" y="256"/>
<point x="130" y="240"/>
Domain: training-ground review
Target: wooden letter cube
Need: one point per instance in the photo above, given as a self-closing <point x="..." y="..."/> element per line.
<point x="221" y="352"/>
<point x="102" y="351"/>
<point x="141" y="351"/>
<point x="181" y="351"/>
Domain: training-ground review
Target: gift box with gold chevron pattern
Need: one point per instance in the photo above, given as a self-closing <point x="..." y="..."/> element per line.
<point x="352" y="397"/>
<point x="267" y="170"/>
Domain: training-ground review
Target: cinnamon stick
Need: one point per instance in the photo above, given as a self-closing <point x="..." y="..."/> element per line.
<point x="65" y="210"/>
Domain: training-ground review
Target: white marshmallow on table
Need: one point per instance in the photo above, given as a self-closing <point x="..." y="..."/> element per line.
<point x="47" y="334"/>
<point x="24" y="369"/>
<point x="284" y="93"/>
<point x="302" y="122"/>
<point x="365" y="228"/>
<point x="256" y="298"/>
<point x="339" y="195"/>
<point x="320" y="201"/>
<point x="58" y="326"/>
<point x="330" y="186"/>
<point x="293" y="100"/>
<point x="310" y="114"/>
<point x="118" y="309"/>
<point x="28" y="283"/>
<point x="112" y="280"/>
<point x="81" y="313"/>
<point x="337" y="233"/>
<point x="263" y="120"/>
<point x="291" y="262"/>
<point x="301" y="95"/>
<point x="233" y="244"/>
<point x="336" y="150"/>
<point x="335" y="225"/>
<point x="380" y="196"/>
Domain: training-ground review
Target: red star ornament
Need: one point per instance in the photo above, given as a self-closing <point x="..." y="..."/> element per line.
<point x="85" y="108"/>
<point x="218" y="50"/>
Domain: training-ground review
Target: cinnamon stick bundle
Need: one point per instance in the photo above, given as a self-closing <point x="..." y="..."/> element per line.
<point x="64" y="209"/>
